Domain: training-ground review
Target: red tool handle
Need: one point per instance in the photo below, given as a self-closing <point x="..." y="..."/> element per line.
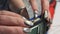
<point x="52" y="8"/>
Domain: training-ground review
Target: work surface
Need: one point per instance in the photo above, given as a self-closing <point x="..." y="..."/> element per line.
<point x="55" y="27"/>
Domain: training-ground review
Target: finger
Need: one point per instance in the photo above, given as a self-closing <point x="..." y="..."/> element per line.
<point x="8" y="13"/>
<point x="11" y="21"/>
<point x="17" y="3"/>
<point x="11" y="30"/>
<point x="34" y="4"/>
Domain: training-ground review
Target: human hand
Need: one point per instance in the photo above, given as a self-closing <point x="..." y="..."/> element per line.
<point x="11" y="23"/>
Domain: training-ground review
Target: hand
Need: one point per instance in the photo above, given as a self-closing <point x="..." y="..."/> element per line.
<point x="11" y="23"/>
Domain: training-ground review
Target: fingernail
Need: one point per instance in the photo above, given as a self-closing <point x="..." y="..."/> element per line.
<point x="26" y="30"/>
